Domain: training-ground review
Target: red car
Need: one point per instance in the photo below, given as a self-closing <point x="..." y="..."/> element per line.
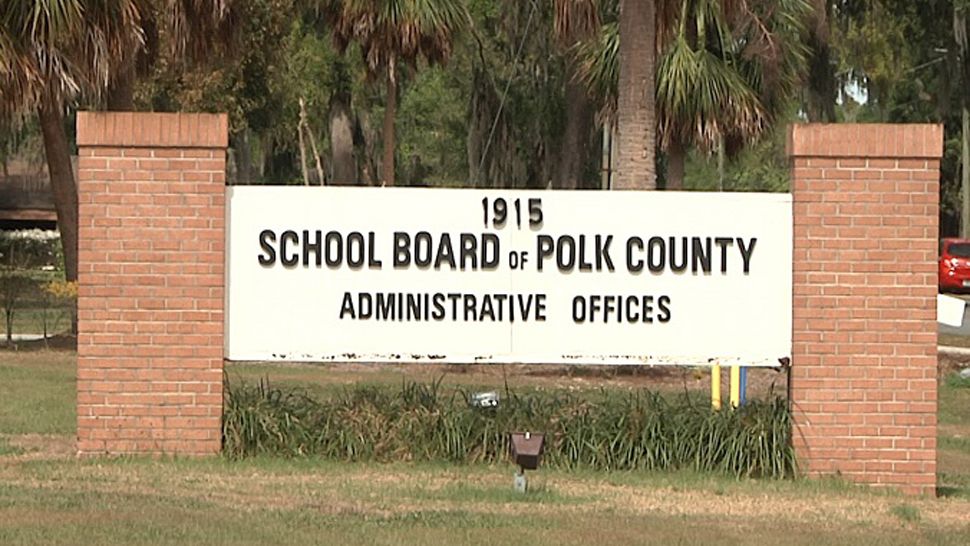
<point x="955" y="265"/>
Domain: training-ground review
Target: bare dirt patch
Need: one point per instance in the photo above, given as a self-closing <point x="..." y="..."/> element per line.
<point x="40" y="446"/>
<point x="761" y="381"/>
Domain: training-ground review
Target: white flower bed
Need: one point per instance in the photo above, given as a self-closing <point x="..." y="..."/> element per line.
<point x="30" y="248"/>
<point x="30" y="235"/>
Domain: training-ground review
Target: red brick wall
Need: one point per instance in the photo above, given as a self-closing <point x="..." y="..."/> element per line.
<point x="866" y="207"/>
<point x="150" y="306"/>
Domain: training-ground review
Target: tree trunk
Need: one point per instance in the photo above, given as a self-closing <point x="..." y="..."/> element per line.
<point x="341" y="142"/>
<point x="721" y="161"/>
<point x="574" y="147"/>
<point x="636" y="103"/>
<point x="121" y="90"/>
<point x="821" y="72"/>
<point x="965" y="175"/>
<point x="676" y="157"/>
<point x="390" y="111"/>
<point x="478" y="129"/>
<point x="365" y="139"/>
<point x="960" y="30"/>
<point x="606" y="159"/>
<point x="63" y="186"/>
<point x="244" y="158"/>
<point x="299" y="133"/>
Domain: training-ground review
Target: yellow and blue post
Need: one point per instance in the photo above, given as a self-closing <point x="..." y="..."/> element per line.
<point x="743" y="386"/>
<point x="716" y="386"/>
<point x="739" y="385"/>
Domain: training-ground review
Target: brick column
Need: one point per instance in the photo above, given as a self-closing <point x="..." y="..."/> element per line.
<point x="151" y="269"/>
<point x="866" y="207"/>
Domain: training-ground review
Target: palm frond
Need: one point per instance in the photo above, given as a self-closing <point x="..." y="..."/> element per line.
<point x="726" y="67"/>
<point x="60" y="49"/>
<point x="575" y="19"/>
<point x="398" y="29"/>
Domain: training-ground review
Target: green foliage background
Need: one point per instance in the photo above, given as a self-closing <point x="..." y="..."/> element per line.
<point x="504" y="87"/>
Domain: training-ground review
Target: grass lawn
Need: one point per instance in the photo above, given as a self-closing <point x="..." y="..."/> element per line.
<point x="32" y="321"/>
<point x="49" y="497"/>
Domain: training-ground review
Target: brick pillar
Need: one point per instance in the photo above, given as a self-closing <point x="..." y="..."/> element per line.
<point x="866" y="207"/>
<point x="151" y="269"/>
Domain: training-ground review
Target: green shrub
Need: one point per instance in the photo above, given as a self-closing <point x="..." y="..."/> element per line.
<point x="605" y="430"/>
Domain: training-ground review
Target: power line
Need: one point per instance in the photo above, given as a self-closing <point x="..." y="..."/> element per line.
<point x="508" y="84"/>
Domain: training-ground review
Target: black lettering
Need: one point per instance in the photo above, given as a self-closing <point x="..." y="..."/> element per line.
<point x="723" y="242"/>
<point x="414" y="307"/>
<point x="647" y="309"/>
<point x="609" y="306"/>
<point x="469" y="245"/>
<point x="334" y="249"/>
<point x="355" y="249"/>
<point x="541" y="307"/>
<point x="545" y="248"/>
<point x="746" y="252"/>
<point x="294" y="258"/>
<point x="439" y="306"/>
<point x="674" y="266"/>
<point x="702" y="254"/>
<point x="566" y="253"/>
<point x="632" y="309"/>
<point x="372" y="260"/>
<point x="422" y="249"/>
<point x="454" y="304"/>
<point x="603" y="253"/>
<point x="656" y="255"/>
<point x="385" y="307"/>
<point x="579" y="309"/>
<point x="266" y="239"/>
<point x="445" y="252"/>
<point x="500" y="298"/>
<point x="525" y="304"/>
<point x="488" y="310"/>
<point x="316" y="247"/>
<point x="365" y="306"/>
<point x="594" y="306"/>
<point x="402" y="249"/>
<point x="584" y="264"/>
<point x="490" y="248"/>
<point x="664" y="304"/>
<point x="347" y="307"/>
<point x="631" y="265"/>
<point x="470" y="308"/>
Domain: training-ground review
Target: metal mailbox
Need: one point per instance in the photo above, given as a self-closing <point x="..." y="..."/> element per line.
<point x="526" y="449"/>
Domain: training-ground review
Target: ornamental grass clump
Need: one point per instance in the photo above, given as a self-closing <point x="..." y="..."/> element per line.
<point x="601" y="430"/>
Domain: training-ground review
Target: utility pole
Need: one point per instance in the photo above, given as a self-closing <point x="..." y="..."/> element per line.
<point x="960" y="36"/>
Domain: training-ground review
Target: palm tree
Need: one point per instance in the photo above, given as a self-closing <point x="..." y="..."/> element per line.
<point x="194" y="28"/>
<point x="636" y="96"/>
<point x="391" y="33"/>
<point x="573" y="22"/>
<point x="53" y="52"/>
<point x="723" y="77"/>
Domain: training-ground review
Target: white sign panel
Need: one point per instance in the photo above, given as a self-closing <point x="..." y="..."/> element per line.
<point x="449" y="275"/>
<point x="949" y="310"/>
